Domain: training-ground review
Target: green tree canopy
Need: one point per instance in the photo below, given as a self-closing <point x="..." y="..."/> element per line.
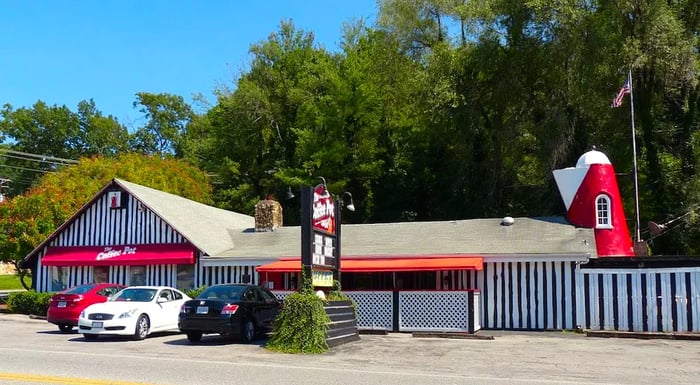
<point x="167" y="117"/>
<point x="44" y="138"/>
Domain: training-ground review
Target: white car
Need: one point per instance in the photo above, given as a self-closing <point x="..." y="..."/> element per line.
<point x="134" y="311"/>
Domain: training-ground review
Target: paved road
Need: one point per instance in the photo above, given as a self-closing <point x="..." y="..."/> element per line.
<point x="34" y="352"/>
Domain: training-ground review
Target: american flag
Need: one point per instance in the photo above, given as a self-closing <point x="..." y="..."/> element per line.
<point x="617" y="102"/>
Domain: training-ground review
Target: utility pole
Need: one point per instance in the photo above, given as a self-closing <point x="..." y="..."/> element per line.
<point x="3" y="184"/>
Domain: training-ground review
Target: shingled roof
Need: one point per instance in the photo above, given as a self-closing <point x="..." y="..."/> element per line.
<point x="206" y="227"/>
<point x="526" y="236"/>
<point x="224" y="236"/>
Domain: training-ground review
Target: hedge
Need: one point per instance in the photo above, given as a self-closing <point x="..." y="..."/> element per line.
<point x="29" y="302"/>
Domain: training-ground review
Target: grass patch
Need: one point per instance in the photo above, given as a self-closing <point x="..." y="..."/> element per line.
<point x="10" y="282"/>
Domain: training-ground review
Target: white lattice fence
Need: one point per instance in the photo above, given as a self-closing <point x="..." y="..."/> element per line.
<point x="433" y="311"/>
<point x="281" y="295"/>
<point x="374" y="309"/>
<point x="418" y="310"/>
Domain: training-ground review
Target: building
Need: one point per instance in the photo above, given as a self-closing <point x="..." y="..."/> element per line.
<point x="132" y="234"/>
<point x="495" y="273"/>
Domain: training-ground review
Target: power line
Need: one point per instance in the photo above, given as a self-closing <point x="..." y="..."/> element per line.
<point x="42" y="158"/>
<point x="25" y="168"/>
<point x="32" y="160"/>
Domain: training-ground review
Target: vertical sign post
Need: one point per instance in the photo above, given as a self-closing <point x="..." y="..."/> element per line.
<point x="336" y="269"/>
<point x="307" y="235"/>
<point x="319" y="241"/>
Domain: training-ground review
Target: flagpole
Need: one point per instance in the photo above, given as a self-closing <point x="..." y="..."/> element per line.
<point x="634" y="154"/>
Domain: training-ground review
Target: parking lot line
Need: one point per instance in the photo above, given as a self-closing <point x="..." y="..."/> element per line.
<point x="62" y="380"/>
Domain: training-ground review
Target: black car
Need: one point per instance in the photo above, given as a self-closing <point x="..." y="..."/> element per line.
<point x="239" y="310"/>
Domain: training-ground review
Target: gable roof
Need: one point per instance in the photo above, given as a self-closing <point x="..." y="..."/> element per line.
<point x="526" y="236"/>
<point x="205" y="227"/>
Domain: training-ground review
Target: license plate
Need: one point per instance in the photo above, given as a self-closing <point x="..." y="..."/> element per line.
<point x="97" y="324"/>
<point x="62" y="304"/>
<point x="202" y="309"/>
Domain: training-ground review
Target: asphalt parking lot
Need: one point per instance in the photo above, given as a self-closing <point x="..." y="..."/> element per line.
<point x="496" y="357"/>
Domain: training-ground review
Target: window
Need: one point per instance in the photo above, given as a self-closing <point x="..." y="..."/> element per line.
<point x="267" y="296"/>
<point x="167" y="294"/>
<point x="137" y="275"/>
<point x="185" y="277"/>
<point x="109" y="291"/>
<point x="250" y="296"/>
<point x="602" y="212"/>
<point x="100" y="274"/>
<point x="59" y="278"/>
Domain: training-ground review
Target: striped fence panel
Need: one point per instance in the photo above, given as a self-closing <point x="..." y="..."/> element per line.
<point x="647" y="300"/>
<point x="213" y="275"/>
<point x="529" y="295"/>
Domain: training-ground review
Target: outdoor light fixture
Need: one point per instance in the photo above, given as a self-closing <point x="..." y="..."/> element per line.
<point x="350" y="206"/>
<point x="325" y="188"/>
<point x="290" y="194"/>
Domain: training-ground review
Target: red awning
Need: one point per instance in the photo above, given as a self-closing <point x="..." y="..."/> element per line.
<point x="432" y="263"/>
<point x="152" y="254"/>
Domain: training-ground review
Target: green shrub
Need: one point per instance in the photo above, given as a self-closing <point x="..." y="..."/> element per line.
<point x="193" y="293"/>
<point x="29" y="302"/>
<point x="336" y="294"/>
<point x="301" y="325"/>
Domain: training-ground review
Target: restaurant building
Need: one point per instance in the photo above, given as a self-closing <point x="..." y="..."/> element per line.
<point x="133" y="235"/>
<point x="494" y="273"/>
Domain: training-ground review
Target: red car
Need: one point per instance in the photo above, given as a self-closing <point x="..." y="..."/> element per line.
<point x="65" y="306"/>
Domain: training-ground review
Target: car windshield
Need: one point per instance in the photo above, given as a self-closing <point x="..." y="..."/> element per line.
<point x="82" y="289"/>
<point x="135" y="295"/>
<point x="222" y="292"/>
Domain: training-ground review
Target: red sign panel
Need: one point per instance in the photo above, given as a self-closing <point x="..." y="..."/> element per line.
<point x="323" y="217"/>
<point x="150" y="254"/>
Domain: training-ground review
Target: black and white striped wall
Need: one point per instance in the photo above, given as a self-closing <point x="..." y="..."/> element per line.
<point x="212" y="274"/>
<point x="650" y="299"/>
<point x="527" y="294"/>
<point x="100" y="225"/>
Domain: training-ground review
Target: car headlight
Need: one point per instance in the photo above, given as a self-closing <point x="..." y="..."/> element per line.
<point x="127" y="314"/>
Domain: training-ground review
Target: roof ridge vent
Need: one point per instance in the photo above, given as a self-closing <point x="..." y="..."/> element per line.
<point x="507" y="221"/>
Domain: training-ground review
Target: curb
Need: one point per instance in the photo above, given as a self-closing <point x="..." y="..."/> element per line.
<point x="380" y="332"/>
<point x="454" y="335"/>
<point x="644" y="335"/>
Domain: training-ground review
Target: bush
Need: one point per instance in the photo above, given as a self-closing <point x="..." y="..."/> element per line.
<point x="301" y="325"/>
<point x="336" y="294"/>
<point x="193" y="293"/>
<point x="29" y="302"/>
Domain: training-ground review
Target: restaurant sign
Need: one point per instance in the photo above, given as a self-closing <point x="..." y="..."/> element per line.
<point x="323" y="217"/>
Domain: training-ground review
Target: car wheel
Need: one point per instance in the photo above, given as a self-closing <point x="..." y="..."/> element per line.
<point x="90" y="337"/>
<point x="141" y="327"/>
<point x="248" y="332"/>
<point x="194" y="336"/>
<point x="64" y="328"/>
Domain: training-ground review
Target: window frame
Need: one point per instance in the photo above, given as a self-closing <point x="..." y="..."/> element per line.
<point x="603" y="212"/>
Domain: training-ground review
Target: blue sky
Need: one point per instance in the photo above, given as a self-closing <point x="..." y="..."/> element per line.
<point x="63" y="52"/>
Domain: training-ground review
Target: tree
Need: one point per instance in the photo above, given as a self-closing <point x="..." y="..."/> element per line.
<point x="254" y="129"/>
<point x="28" y="219"/>
<point x="100" y="135"/>
<point x="43" y="138"/>
<point x="167" y="117"/>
